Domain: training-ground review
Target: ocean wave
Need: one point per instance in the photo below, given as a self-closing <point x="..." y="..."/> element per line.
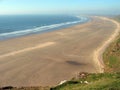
<point x="39" y="29"/>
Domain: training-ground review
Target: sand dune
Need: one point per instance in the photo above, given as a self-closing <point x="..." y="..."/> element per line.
<point x="97" y="55"/>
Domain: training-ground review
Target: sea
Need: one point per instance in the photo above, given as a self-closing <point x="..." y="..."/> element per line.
<point x="12" y="26"/>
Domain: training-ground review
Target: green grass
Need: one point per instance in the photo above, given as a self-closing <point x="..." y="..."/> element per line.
<point x="105" y="81"/>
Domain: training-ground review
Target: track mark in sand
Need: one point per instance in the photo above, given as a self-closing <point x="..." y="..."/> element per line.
<point x="61" y="33"/>
<point x="27" y="49"/>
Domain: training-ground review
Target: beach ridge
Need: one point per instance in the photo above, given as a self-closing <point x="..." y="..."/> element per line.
<point x="98" y="53"/>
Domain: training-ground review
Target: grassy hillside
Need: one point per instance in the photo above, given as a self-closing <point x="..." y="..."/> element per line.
<point x="106" y="81"/>
<point x="112" y="57"/>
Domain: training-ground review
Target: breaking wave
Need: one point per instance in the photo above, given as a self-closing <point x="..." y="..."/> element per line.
<point x="41" y="29"/>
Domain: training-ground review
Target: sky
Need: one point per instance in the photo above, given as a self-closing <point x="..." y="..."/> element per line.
<point x="59" y="7"/>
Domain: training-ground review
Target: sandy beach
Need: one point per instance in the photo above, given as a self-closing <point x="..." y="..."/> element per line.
<point x="46" y="59"/>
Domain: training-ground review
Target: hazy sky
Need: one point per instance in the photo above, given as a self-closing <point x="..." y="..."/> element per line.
<point x="59" y="6"/>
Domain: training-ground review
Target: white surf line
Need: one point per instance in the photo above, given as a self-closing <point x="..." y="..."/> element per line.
<point x="98" y="53"/>
<point x="27" y="49"/>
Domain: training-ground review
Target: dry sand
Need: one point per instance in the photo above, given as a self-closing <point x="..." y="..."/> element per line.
<point x="27" y="49"/>
<point x="47" y="59"/>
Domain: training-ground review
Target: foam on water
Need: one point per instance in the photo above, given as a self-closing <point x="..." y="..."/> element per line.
<point x="40" y="29"/>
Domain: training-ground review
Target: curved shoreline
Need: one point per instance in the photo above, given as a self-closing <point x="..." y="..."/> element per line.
<point x="62" y="54"/>
<point x="98" y="53"/>
<point x="42" y="29"/>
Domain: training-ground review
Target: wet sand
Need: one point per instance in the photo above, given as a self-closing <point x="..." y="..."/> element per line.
<point x="46" y="59"/>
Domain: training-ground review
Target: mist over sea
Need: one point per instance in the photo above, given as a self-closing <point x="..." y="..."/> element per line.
<point x="19" y="25"/>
